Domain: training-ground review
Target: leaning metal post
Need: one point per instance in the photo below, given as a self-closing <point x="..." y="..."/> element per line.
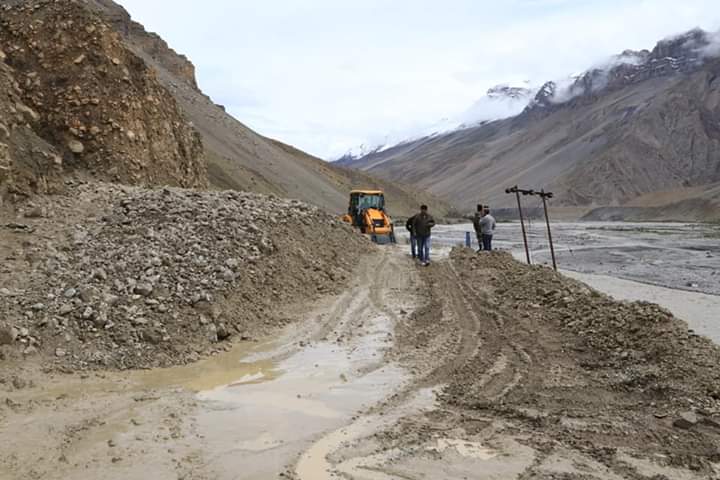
<point x="545" y="196"/>
<point x="517" y="191"/>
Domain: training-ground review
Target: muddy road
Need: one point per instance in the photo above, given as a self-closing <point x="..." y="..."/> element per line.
<point x="410" y="373"/>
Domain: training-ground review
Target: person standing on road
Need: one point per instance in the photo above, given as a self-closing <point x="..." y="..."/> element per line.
<point x="487" y="229"/>
<point x="413" y="239"/>
<point x="422" y="225"/>
<point x="476" y="225"/>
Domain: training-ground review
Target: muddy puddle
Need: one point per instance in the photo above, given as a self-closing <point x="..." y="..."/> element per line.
<point x="316" y="463"/>
<point x="250" y="362"/>
<point x="259" y="409"/>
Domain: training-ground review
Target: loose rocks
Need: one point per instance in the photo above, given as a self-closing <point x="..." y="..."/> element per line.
<point x="7" y="335"/>
<point x="686" y="420"/>
<point x="156" y="276"/>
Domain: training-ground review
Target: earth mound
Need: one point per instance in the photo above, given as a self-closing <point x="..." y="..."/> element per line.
<point x="123" y="277"/>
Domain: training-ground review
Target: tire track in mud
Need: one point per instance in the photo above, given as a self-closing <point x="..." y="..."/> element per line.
<point x="478" y="335"/>
<point x="385" y="290"/>
<point x="475" y="328"/>
<point x="509" y="378"/>
<point x="511" y="360"/>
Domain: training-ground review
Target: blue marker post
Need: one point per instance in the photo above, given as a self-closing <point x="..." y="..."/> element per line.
<point x="468" y="240"/>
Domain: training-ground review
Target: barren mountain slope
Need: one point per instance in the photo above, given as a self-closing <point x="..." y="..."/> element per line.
<point x="239" y="158"/>
<point x="648" y="128"/>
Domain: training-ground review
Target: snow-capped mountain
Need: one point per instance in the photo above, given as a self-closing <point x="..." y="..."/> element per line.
<point x="639" y="127"/>
<point x="501" y="101"/>
<point x="679" y="54"/>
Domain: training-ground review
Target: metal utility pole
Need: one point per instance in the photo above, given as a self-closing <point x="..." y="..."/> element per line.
<point x="517" y="193"/>
<point x="545" y="195"/>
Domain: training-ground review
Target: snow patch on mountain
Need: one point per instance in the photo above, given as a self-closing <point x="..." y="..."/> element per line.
<point x="673" y="55"/>
<point x="501" y="101"/>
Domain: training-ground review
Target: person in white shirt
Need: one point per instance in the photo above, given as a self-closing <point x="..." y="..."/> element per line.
<point x="487" y="229"/>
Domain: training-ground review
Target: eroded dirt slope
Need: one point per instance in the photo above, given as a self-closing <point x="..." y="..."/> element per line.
<point x="97" y="102"/>
<point x="28" y="164"/>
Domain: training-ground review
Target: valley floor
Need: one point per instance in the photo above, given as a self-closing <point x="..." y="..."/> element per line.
<point x="476" y="367"/>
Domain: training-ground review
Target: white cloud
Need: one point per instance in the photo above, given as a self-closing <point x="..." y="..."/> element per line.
<point x="712" y="49"/>
<point x="327" y="76"/>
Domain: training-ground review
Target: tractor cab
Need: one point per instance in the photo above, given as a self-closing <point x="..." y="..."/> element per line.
<point x="362" y="200"/>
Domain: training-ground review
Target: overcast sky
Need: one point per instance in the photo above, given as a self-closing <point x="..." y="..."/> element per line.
<point x="329" y="75"/>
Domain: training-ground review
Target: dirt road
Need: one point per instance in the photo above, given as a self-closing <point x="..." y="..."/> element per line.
<point x="249" y="413"/>
<point x="441" y="372"/>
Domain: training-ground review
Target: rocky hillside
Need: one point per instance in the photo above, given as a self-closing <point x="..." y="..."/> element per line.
<point x="237" y="157"/>
<point x="27" y="163"/>
<point x="99" y="104"/>
<point x="110" y="101"/>
<point x="643" y="128"/>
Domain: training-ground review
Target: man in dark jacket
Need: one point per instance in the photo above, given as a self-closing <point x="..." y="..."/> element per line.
<point x="476" y="225"/>
<point x="423" y="223"/>
<point x="413" y="239"/>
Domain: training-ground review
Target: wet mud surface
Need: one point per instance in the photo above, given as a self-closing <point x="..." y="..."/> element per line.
<point x="409" y="373"/>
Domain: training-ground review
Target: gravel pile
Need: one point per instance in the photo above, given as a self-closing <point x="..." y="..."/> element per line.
<point x="572" y="369"/>
<point x="159" y="277"/>
<point x="644" y="342"/>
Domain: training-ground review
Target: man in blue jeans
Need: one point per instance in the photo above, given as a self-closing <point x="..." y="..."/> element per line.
<point x="422" y="224"/>
<point x="487" y="230"/>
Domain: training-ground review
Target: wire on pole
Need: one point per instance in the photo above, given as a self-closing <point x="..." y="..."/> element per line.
<point x="545" y="196"/>
<point x="517" y="193"/>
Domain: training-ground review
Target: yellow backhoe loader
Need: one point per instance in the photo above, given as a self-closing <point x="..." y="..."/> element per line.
<point x="367" y="213"/>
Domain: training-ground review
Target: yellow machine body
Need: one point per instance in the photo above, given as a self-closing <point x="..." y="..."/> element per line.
<point x="366" y="212"/>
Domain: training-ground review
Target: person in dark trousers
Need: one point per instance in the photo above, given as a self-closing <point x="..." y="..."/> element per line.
<point x="423" y="223"/>
<point x="476" y="225"/>
<point x="413" y="239"/>
<point x="487" y="229"/>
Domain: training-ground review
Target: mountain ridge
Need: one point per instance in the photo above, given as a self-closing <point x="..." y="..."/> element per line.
<point x="111" y="101"/>
<point x="603" y="140"/>
<point x="239" y="158"/>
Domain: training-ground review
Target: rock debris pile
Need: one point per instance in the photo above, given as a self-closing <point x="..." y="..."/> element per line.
<point x="595" y="374"/>
<point x="643" y="341"/>
<point x="159" y="277"/>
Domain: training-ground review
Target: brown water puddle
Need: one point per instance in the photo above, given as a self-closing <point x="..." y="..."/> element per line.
<point x="247" y="362"/>
<point x="258" y="424"/>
